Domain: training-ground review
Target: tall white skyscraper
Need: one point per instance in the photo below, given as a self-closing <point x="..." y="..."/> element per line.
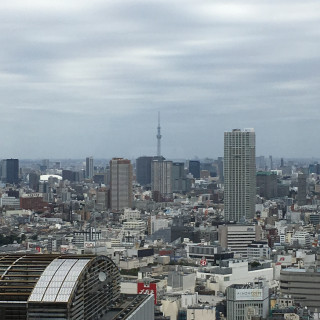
<point x="239" y="174"/>
<point x="89" y="167"/>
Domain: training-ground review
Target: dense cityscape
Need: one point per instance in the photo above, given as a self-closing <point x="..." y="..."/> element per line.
<point x="158" y="160"/>
<point x="233" y="238"/>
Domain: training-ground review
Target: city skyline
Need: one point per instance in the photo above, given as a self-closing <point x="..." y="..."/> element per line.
<point x="97" y="73"/>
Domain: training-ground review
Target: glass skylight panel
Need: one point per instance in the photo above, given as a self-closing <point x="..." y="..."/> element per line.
<point x="63" y="298"/>
<point x="58" y="280"/>
<point x="49" y="297"/>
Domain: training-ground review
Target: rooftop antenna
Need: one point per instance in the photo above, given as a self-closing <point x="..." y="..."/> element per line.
<point x="159" y="137"/>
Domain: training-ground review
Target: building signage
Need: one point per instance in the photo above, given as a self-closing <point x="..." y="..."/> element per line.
<point x="145" y="288"/>
<point x="32" y="195"/>
<point x="249" y="294"/>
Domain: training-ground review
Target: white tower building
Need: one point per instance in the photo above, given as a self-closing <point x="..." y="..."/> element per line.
<point x="239" y="174"/>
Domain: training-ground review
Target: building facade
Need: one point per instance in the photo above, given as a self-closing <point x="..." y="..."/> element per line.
<point x="194" y="168"/>
<point x="161" y="178"/>
<point x="89" y="168"/>
<point x="302" y="189"/>
<point x="267" y="184"/>
<point x="120" y="183"/>
<point x="10" y="171"/>
<point x="239" y="174"/>
<point x="247" y="300"/>
<point x="143" y="170"/>
<point x="238" y="237"/>
<point x="302" y="285"/>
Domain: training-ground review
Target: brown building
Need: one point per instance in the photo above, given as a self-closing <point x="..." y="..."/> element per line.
<point x="33" y="201"/>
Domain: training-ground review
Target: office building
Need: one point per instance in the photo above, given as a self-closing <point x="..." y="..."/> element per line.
<point x="238" y="237"/>
<point x="120" y="183"/>
<point x="34" y="181"/>
<point x="210" y="253"/>
<point x="267" y="184"/>
<point x="161" y="178"/>
<point x="143" y="170"/>
<point x="239" y="174"/>
<point x="302" y="285"/>
<point x="194" y="168"/>
<point x="219" y="164"/>
<point x="10" y="171"/>
<point x="89" y="168"/>
<point x="180" y="183"/>
<point x="258" y="250"/>
<point x="245" y="301"/>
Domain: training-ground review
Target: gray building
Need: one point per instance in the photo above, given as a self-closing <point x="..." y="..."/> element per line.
<point x="89" y="168"/>
<point x="180" y="183"/>
<point x="10" y="171"/>
<point x="267" y="184"/>
<point x="258" y="250"/>
<point x="247" y="300"/>
<point x="143" y="170"/>
<point x="120" y="183"/>
<point x="161" y="177"/>
<point x="303" y="286"/>
<point x="239" y="174"/>
<point x="194" y="168"/>
<point x="302" y="189"/>
<point x="237" y="237"/>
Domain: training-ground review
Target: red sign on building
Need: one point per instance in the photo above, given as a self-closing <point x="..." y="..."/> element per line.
<point x="148" y="288"/>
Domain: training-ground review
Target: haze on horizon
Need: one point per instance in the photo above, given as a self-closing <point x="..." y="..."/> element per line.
<point x="80" y="78"/>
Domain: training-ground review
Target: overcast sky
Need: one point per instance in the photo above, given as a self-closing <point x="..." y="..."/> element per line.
<point x="80" y="78"/>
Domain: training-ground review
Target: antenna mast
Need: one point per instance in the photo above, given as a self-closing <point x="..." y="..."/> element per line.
<point x="159" y="137"/>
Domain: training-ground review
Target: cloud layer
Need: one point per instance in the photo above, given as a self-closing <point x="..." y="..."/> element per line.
<point x="82" y="78"/>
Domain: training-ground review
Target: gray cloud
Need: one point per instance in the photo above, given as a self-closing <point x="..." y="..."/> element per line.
<point x="88" y="77"/>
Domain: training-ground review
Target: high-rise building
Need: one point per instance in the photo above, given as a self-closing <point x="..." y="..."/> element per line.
<point x="10" y="171"/>
<point x="159" y="137"/>
<point x="194" y="168"/>
<point x="180" y="183"/>
<point x="120" y="183"/>
<point x="161" y="178"/>
<point x="89" y="168"/>
<point x="143" y="170"/>
<point x="267" y="184"/>
<point x="302" y="189"/>
<point x="34" y="181"/>
<point x="239" y="174"/>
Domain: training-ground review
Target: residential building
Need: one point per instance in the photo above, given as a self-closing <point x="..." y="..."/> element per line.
<point x="302" y="189"/>
<point x="301" y="238"/>
<point x="120" y="183"/>
<point x="179" y="180"/>
<point x="239" y="174"/>
<point x="161" y="178"/>
<point x="89" y="168"/>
